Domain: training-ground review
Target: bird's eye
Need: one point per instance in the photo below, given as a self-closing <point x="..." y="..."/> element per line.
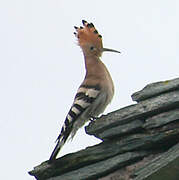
<point x="91" y="48"/>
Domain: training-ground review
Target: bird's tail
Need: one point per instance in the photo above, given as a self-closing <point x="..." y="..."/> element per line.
<point x="62" y="138"/>
<point x="58" y="146"/>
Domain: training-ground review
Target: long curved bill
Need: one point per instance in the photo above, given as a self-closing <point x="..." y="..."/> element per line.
<point x="110" y="50"/>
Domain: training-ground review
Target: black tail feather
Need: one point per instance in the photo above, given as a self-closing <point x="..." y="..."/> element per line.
<point x="56" y="150"/>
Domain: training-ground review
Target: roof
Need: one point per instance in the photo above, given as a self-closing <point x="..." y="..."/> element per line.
<point x="140" y="142"/>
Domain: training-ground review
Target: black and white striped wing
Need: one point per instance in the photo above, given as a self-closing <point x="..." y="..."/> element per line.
<point x="85" y="96"/>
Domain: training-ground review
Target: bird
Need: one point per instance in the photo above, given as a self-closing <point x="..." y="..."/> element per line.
<point x="95" y="92"/>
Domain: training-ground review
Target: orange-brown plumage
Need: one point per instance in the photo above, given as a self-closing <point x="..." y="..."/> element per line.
<point x="96" y="90"/>
<point x="88" y="37"/>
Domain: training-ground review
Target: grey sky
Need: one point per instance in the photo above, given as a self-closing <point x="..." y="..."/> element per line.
<point x="41" y="67"/>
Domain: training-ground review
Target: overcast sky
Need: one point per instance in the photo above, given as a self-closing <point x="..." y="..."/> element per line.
<point x="41" y="67"/>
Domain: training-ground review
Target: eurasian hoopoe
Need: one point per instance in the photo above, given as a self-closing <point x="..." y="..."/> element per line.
<point x="95" y="92"/>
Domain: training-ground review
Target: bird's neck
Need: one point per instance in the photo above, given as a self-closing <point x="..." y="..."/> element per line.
<point x="97" y="73"/>
<point x="95" y="70"/>
<point x="95" y="67"/>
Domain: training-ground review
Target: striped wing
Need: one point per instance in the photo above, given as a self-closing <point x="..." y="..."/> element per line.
<point x="85" y="96"/>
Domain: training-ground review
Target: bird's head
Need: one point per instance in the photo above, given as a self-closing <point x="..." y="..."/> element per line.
<point x="90" y="41"/>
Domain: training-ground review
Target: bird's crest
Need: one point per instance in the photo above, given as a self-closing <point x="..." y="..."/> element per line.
<point x="89" y="39"/>
<point x="88" y="35"/>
